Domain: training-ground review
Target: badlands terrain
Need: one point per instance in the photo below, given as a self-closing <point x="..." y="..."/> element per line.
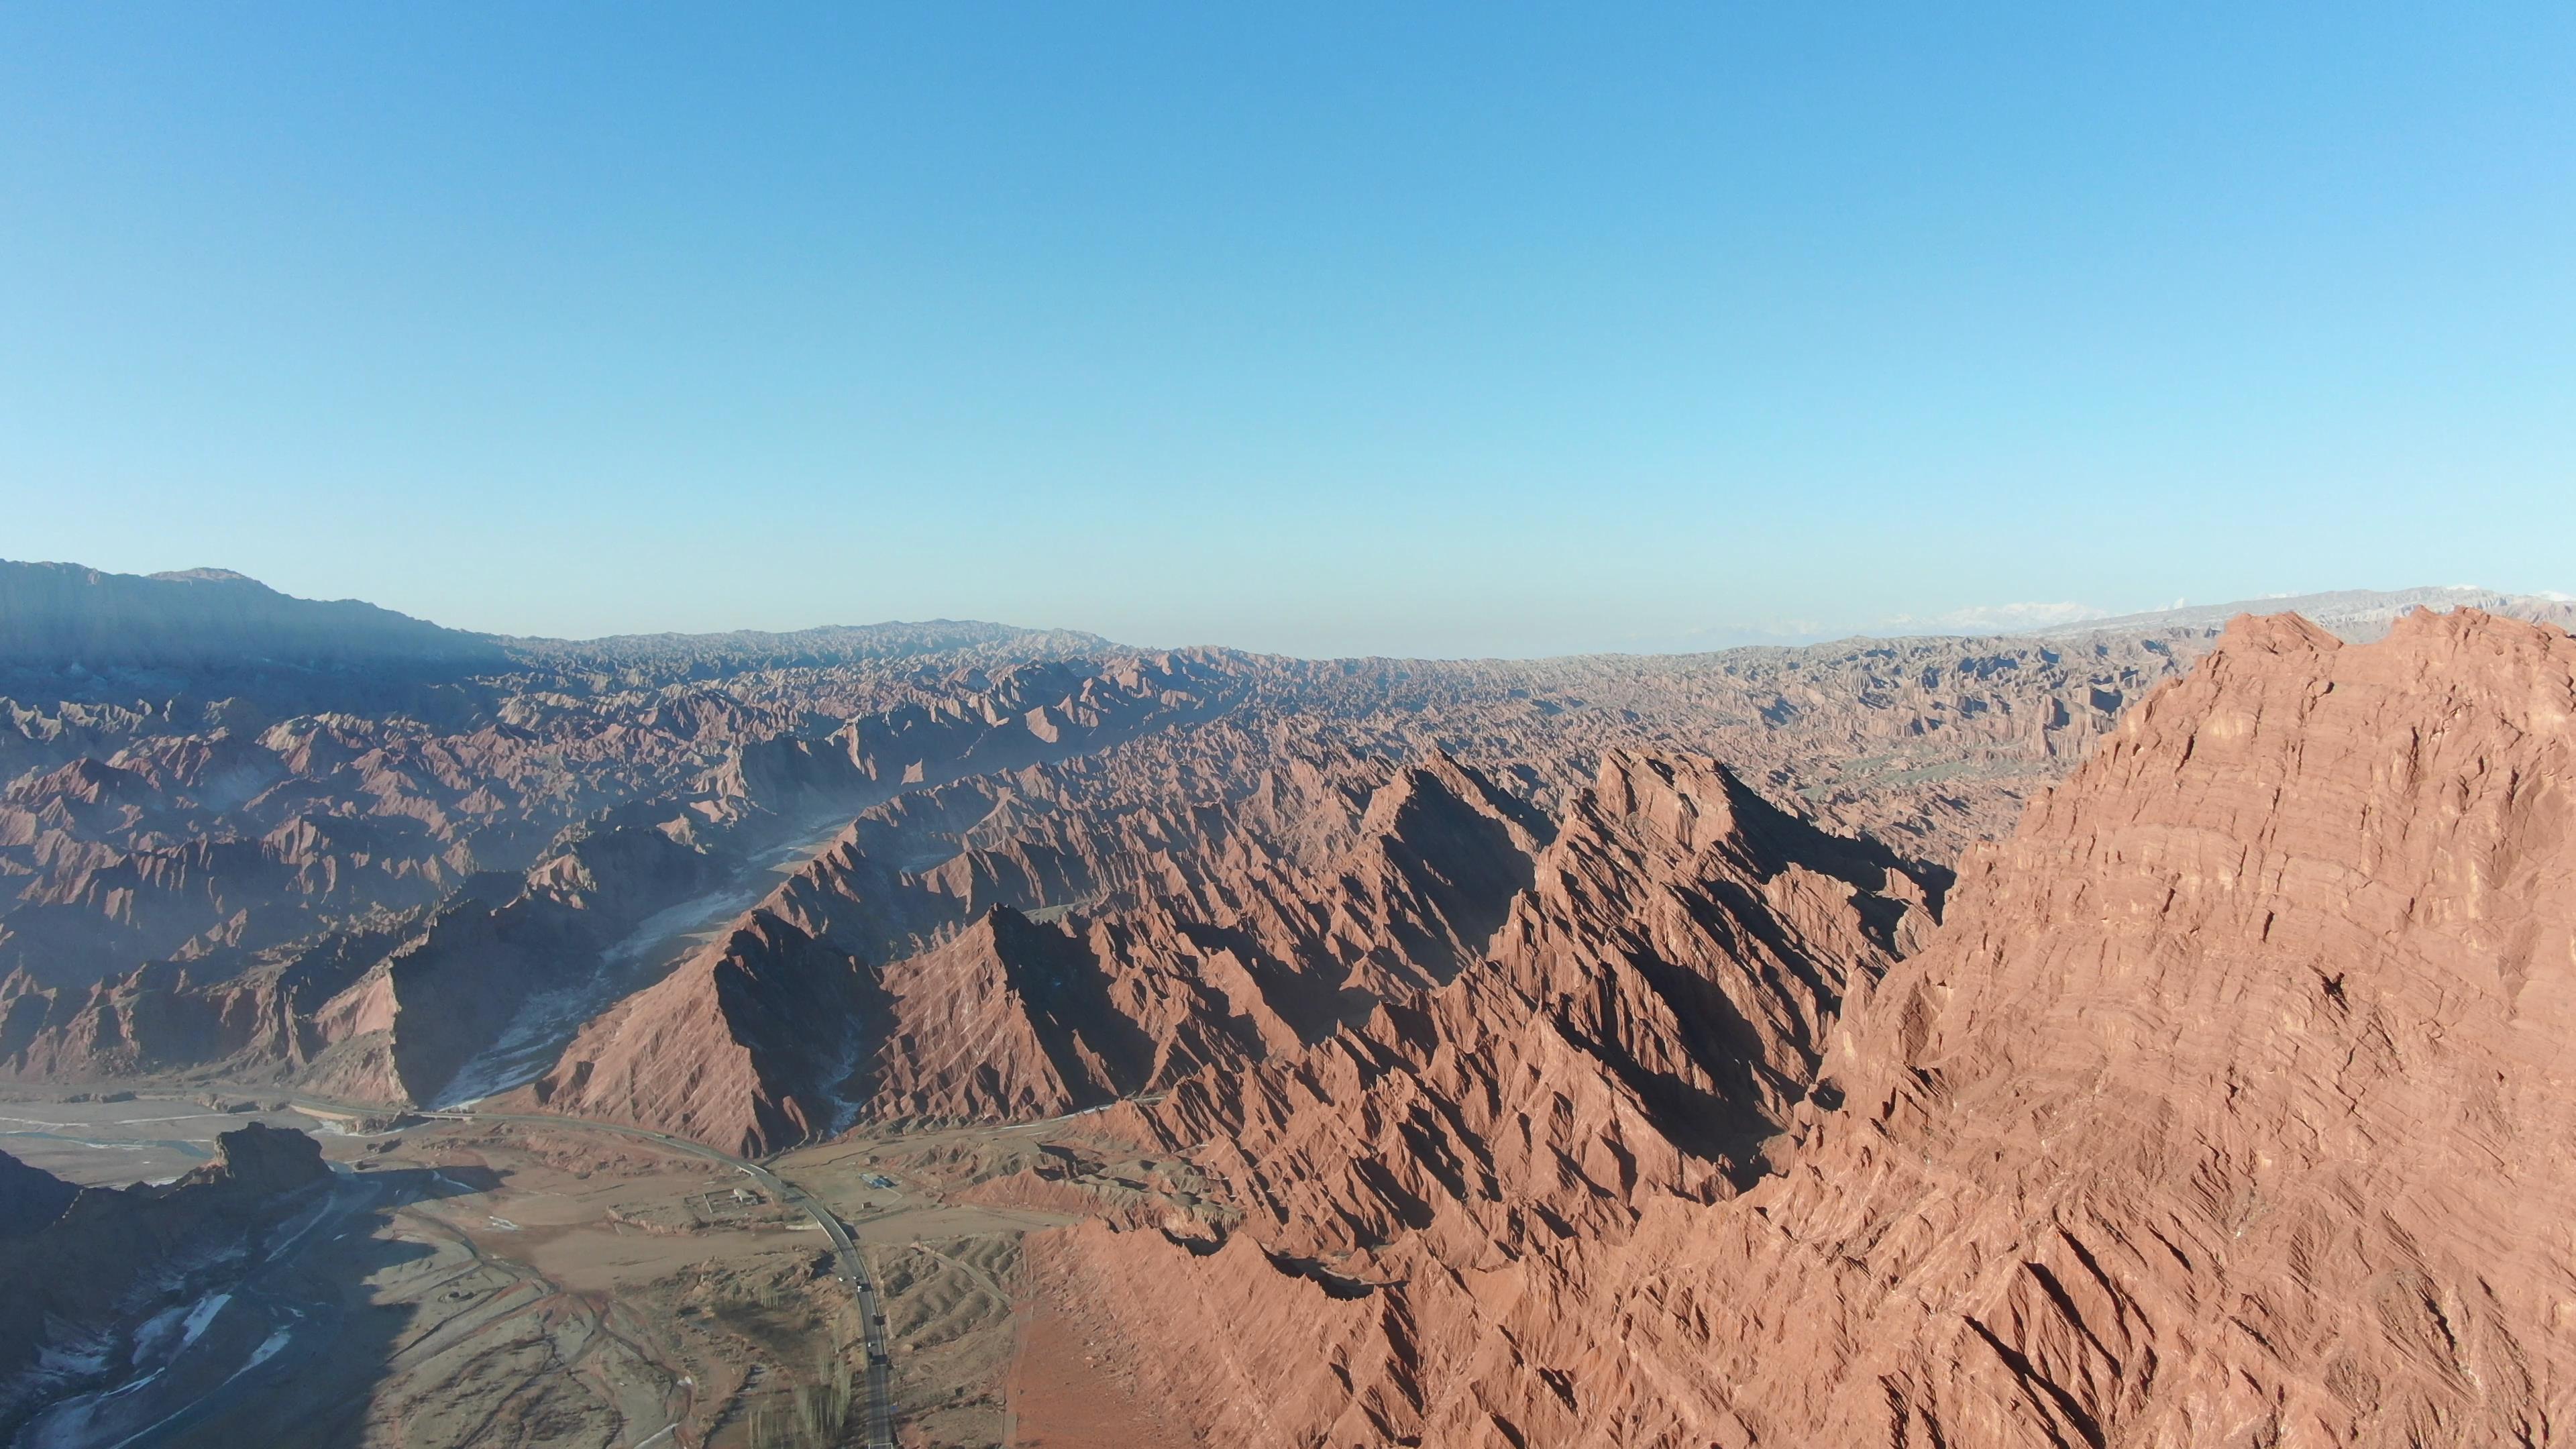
<point x="2148" y="1033"/>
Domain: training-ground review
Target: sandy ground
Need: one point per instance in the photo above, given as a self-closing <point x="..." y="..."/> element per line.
<point x="494" y="1283"/>
<point x="111" y="1144"/>
<point x="981" y="1357"/>
<point x="1058" y="1397"/>
<point x="560" y="1288"/>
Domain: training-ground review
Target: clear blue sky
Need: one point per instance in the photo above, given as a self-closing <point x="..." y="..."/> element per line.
<point x="1396" y="329"/>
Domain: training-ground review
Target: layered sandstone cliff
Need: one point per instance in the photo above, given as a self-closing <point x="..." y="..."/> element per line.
<point x="2228" y="1106"/>
<point x="1174" y="938"/>
<point x="748" y="1046"/>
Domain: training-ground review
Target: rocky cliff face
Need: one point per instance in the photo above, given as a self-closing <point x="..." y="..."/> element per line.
<point x="748" y="1046"/>
<point x="2227" y="1107"/>
<point x="2220" y="1112"/>
<point x="1413" y="1191"/>
<point x="1214" y="934"/>
<point x="1008" y="1019"/>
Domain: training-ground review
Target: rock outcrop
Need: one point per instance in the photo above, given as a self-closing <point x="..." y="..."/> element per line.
<point x="77" y="1282"/>
<point x="1006" y="1020"/>
<point x="748" y="1046"/>
<point x="30" y="1197"/>
<point x="1179" y="936"/>
<point x="2227" y="1106"/>
<point x="1654" y="1010"/>
<point x="2222" y="1109"/>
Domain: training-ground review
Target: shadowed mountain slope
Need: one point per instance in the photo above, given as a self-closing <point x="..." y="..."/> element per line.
<point x="63" y="614"/>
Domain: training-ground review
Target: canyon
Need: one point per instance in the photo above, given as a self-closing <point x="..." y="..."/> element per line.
<point x="2138" y="1034"/>
<point x="2221" y="1108"/>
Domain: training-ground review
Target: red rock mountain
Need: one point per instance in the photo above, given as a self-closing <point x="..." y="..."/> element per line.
<point x="2228" y="1106"/>
<point x="411" y="874"/>
<point x="1209" y="936"/>
<point x="742" y="1047"/>
<point x="1553" y="1082"/>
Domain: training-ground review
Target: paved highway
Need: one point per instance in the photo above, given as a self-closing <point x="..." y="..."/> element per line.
<point x="846" y="1259"/>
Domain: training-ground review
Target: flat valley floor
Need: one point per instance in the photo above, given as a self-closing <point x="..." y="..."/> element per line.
<point x="473" y="1282"/>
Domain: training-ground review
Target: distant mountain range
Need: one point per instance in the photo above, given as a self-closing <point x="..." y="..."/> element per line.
<point x="68" y="617"/>
<point x="55" y="616"/>
<point x="2358" y="615"/>
<point x="827" y="645"/>
<point x="60" y="614"/>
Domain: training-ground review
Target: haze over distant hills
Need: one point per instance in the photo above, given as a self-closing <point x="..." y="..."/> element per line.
<point x="58" y="614"/>
<point x="2357" y="615"/>
<point x="62" y="614"/>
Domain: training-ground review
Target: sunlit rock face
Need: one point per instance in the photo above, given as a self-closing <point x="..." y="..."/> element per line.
<point x="2228" y="1105"/>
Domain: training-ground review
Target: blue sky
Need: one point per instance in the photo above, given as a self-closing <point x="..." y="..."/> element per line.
<point x="1389" y="329"/>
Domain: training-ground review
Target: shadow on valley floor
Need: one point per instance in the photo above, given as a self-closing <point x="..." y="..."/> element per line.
<point x="290" y="1352"/>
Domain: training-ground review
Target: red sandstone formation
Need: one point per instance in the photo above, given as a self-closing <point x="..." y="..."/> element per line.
<point x="359" y="874"/>
<point x="744" y="1047"/>
<point x="1208" y="936"/>
<point x="1559" y="1084"/>
<point x="1005" y="1020"/>
<point x="395" y="925"/>
<point x="2228" y="1106"/>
